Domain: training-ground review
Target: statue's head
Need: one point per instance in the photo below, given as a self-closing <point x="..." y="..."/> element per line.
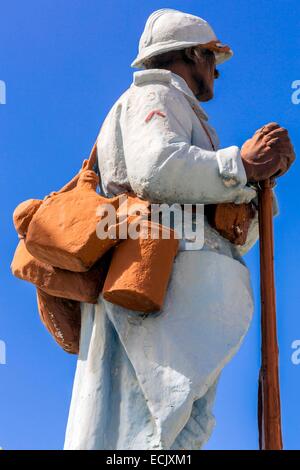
<point x="184" y="44"/>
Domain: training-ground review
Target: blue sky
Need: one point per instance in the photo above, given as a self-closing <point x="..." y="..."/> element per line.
<point x="64" y="64"/>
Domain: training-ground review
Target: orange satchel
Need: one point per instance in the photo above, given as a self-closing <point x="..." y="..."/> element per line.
<point x="231" y="220"/>
<point x="62" y="255"/>
<point x="59" y="292"/>
<point x="83" y="287"/>
<point x="62" y="318"/>
<point x="62" y="232"/>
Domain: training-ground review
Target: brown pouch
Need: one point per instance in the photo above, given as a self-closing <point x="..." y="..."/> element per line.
<point x="140" y="270"/>
<point x="62" y="231"/>
<point x="231" y="220"/>
<point x="82" y="287"/>
<point x="23" y="214"/>
<point x="62" y="318"/>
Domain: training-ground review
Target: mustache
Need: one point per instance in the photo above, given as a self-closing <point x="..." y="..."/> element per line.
<point x="216" y="73"/>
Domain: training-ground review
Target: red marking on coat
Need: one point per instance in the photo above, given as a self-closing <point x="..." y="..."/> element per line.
<point x="152" y="113"/>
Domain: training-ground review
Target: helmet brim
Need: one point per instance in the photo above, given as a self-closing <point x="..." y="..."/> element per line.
<point x="158" y="49"/>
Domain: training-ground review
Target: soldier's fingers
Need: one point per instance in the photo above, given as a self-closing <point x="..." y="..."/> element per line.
<point x="269" y="127"/>
<point x="282" y="148"/>
<point x="279" y="132"/>
<point x="273" y="142"/>
<point x="270" y="151"/>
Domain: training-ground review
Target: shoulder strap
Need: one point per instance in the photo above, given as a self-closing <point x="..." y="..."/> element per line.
<point x="196" y="111"/>
<point x="86" y="165"/>
<point x="92" y="158"/>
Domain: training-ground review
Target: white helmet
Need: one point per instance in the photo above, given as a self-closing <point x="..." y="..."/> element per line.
<point x="169" y="30"/>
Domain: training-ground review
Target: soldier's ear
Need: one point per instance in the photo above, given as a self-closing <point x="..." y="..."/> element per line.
<point x="190" y="54"/>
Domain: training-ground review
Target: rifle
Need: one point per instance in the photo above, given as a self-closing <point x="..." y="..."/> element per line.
<point x="269" y="414"/>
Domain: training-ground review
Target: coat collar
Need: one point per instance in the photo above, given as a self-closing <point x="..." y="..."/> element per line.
<point x="161" y="75"/>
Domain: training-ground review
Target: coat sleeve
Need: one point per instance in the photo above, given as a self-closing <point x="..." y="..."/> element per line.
<point x="162" y="164"/>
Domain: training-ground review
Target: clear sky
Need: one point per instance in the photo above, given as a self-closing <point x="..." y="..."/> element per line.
<point x="64" y="64"/>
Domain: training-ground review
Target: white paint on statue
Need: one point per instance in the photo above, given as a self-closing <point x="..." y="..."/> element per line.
<point x="148" y="382"/>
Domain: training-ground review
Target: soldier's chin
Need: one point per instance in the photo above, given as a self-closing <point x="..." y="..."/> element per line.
<point x="205" y="95"/>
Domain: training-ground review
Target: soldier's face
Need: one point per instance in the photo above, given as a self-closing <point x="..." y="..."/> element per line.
<point x="204" y="73"/>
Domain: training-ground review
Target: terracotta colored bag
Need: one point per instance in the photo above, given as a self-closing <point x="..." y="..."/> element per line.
<point x="60" y="315"/>
<point x="23" y="214"/>
<point x="60" y="291"/>
<point x="140" y="271"/>
<point x="61" y="246"/>
<point x="231" y="220"/>
<point x="62" y="231"/>
<point x="83" y="287"/>
<point x="62" y="318"/>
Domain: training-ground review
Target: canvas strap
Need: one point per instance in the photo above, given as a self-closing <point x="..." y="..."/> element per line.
<point x="86" y="165"/>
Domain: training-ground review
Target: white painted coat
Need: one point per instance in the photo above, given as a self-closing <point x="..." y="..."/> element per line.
<point x="148" y="382"/>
